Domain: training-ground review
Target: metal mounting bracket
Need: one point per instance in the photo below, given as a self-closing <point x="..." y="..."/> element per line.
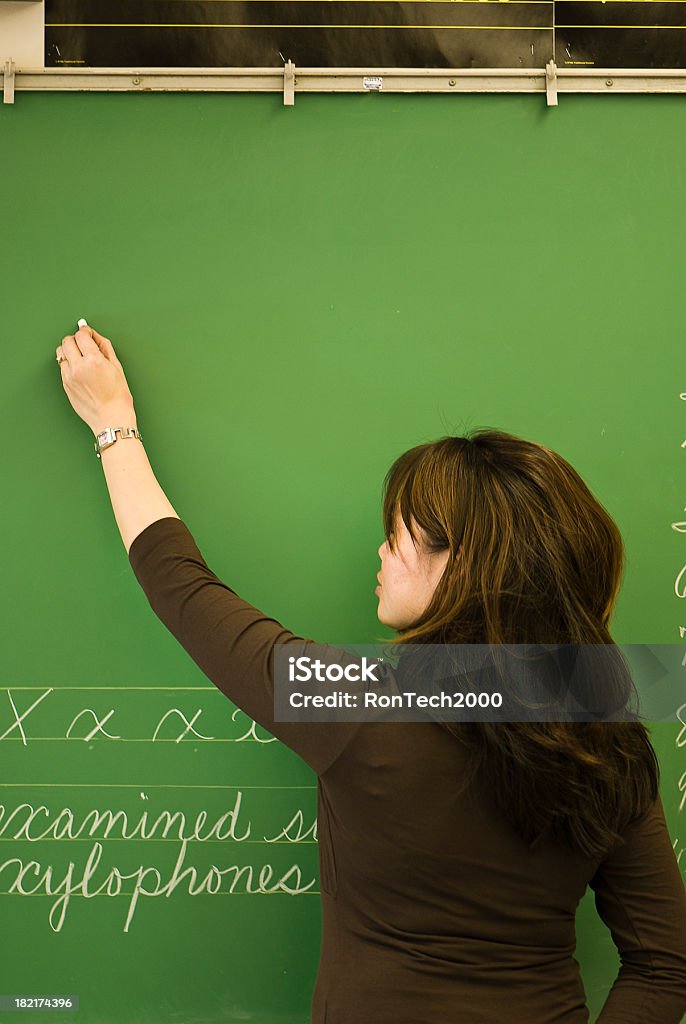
<point x="8" y="82"/>
<point x="289" y="84"/>
<point x="551" y="83"/>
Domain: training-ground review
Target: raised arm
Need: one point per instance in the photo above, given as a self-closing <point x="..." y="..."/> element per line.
<point x="228" y="638"/>
<point x="95" y="384"/>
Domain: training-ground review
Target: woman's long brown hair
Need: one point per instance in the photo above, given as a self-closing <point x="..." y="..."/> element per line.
<point x="534" y="558"/>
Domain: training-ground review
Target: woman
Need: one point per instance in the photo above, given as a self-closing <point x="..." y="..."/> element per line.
<point x="452" y="856"/>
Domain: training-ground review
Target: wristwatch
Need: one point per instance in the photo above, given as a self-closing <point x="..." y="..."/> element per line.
<point x="108" y="436"/>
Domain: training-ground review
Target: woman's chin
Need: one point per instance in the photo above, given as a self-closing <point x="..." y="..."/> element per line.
<point x="383" y="617"/>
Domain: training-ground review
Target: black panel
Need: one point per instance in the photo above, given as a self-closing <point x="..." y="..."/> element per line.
<point x="588" y="34"/>
<point x="354" y="33"/>
<point x="260" y="33"/>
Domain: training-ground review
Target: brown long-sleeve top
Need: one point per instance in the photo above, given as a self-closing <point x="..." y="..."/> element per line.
<point x="433" y="909"/>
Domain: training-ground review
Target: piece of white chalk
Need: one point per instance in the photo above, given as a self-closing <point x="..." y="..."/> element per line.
<point x="82" y="323"/>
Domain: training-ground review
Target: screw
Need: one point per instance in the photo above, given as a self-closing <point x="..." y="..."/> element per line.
<point x="609" y="82"/>
<point x="451" y="82"/>
<point x="136" y="81"/>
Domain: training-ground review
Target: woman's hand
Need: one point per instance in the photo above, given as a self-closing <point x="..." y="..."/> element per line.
<point x="94" y="380"/>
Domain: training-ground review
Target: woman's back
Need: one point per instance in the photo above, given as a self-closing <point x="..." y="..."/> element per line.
<point x="433" y="907"/>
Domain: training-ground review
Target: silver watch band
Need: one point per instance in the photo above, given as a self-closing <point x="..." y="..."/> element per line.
<point x="108" y="436"/>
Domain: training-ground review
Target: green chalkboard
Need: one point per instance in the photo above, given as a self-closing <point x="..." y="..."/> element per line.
<point x="297" y="295"/>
